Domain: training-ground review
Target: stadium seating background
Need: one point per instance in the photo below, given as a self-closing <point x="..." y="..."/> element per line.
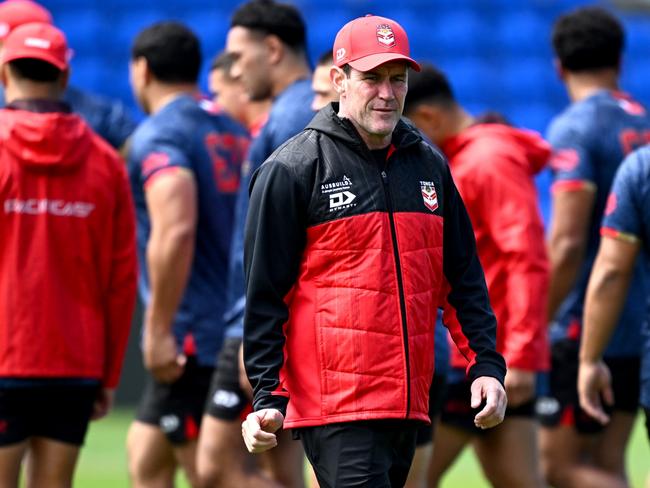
<point x="497" y="53"/>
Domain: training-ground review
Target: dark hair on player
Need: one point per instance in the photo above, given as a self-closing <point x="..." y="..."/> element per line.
<point x="278" y="19"/>
<point x="222" y="62"/>
<point x="589" y="38"/>
<point x="35" y="70"/>
<point x="172" y="51"/>
<point x="429" y="85"/>
<point x="325" y="59"/>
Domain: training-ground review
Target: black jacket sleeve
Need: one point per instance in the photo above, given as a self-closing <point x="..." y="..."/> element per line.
<point x="273" y="245"/>
<point x="468" y="313"/>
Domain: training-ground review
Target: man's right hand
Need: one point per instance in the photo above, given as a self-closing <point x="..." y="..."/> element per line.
<point x="595" y="379"/>
<point x="258" y="430"/>
<point x="161" y="356"/>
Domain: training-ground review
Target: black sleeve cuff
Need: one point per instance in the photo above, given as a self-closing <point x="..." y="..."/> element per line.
<point x="271" y="401"/>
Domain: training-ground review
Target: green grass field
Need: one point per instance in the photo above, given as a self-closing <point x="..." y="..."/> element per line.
<point x="103" y="460"/>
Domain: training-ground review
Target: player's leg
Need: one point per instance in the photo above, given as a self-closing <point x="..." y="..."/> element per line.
<point x="50" y="463"/>
<point x="454" y="431"/>
<point x="11" y="457"/>
<point x="15" y="424"/>
<point x="58" y="434"/>
<point x="611" y="449"/>
<point x="286" y="462"/>
<point x="509" y="453"/>
<point x="151" y="461"/>
<point x="222" y="458"/>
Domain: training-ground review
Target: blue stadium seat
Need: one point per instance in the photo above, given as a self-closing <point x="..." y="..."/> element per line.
<point x="84" y="29"/>
<point x="462" y="32"/>
<point x="525" y="79"/>
<point x="472" y="79"/>
<point x="211" y="26"/>
<point x="534" y="116"/>
<point x="322" y="26"/>
<point x="522" y="32"/>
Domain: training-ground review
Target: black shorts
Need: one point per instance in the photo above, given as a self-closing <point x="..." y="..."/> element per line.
<point x="376" y="454"/>
<point x="458" y="412"/>
<point x="177" y="408"/>
<point x="57" y="412"/>
<point x="226" y="400"/>
<point x="647" y="422"/>
<point x="562" y="407"/>
<point x="436" y="401"/>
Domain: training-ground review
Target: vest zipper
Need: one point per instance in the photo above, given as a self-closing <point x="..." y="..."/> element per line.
<point x="400" y="287"/>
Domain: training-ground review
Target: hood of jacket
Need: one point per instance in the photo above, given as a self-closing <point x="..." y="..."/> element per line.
<point x="527" y="143"/>
<point x="52" y="141"/>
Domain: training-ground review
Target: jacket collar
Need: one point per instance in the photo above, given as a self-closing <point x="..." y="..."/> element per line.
<point x="328" y="122"/>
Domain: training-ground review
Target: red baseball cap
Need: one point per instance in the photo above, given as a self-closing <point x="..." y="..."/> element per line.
<point x="366" y="42"/>
<point x="18" y="12"/>
<point x="37" y="41"/>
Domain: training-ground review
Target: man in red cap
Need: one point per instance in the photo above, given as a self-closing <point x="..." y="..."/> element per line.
<point x="109" y="118"/>
<point x="67" y="265"/>
<point x="355" y="236"/>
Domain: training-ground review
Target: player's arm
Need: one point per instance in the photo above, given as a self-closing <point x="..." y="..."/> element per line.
<point x="468" y="313"/>
<point x="171" y="198"/>
<point x="274" y="241"/>
<point x="572" y="213"/>
<point x="121" y="291"/>
<point x="608" y="286"/>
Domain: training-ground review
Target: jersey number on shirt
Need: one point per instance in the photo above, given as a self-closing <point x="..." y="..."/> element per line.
<point x="227" y="153"/>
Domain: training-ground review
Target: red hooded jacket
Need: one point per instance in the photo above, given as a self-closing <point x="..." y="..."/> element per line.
<point x="67" y="252"/>
<point x="493" y="166"/>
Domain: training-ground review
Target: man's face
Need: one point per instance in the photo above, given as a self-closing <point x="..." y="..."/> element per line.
<point x="229" y="94"/>
<point x="324" y="91"/>
<point x="374" y="99"/>
<point x="250" y="61"/>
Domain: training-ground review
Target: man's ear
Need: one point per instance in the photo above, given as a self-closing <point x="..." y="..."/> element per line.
<point x="339" y="79"/>
<point x="275" y="48"/>
<point x="4" y="73"/>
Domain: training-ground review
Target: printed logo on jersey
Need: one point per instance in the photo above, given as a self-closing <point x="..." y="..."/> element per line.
<point x="564" y="160"/>
<point x="39" y="206"/>
<point x="339" y="195"/>
<point x="631" y="106"/>
<point x="547" y="406"/>
<point x="429" y="195"/>
<point x="385" y="35"/>
<point x="612" y="202"/>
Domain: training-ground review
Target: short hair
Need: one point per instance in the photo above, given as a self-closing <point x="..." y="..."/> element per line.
<point x="325" y="59"/>
<point x="270" y="17"/>
<point x="430" y="85"/>
<point x="172" y="51"/>
<point x="222" y="62"/>
<point x="588" y="38"/>
<point x="35" y="70"/>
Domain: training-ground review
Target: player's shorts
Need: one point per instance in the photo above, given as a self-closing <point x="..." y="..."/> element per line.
<point x="177" y="408"/>
<point x="647" y="422"/>
<point x="458" y="412"/>
<point x="56" y="412"/>
<point x="226" y="400"/>
<point x="561" y="406"/>
<point x="436" y="401"/>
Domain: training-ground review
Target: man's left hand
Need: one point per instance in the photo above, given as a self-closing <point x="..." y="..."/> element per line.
<point x="488" y="389"/>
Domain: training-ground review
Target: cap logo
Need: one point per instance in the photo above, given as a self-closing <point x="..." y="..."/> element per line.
<point x="385" y="35"/>
<point x="37" y="42"/>
<point x="340" y="54"/>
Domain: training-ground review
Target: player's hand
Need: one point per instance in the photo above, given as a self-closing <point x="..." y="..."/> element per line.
<point x="161" y="356"/>
<point x="594" y="381"/>
<point x="488" y="389"/>
<point x="103" y="403"/>
<point x="258" y="430"/>
<point x="520" y="386"/>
